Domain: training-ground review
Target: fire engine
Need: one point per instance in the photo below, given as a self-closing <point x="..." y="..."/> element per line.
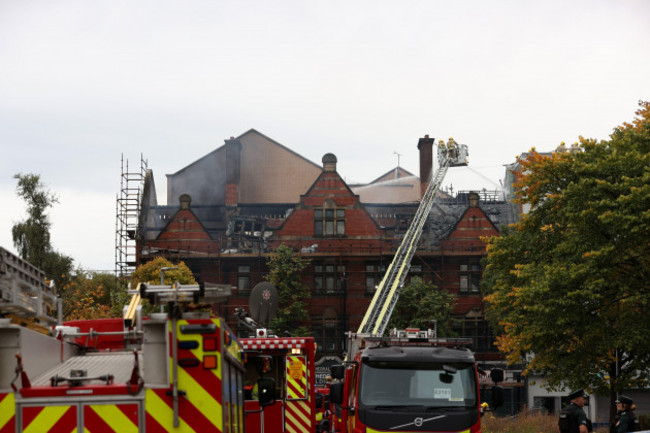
<point x="410" y="380"/>
<point x="173" y="372"/>
<point x="289" y="361"/>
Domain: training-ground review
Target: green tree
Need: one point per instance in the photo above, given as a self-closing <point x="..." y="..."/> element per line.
<point x="422" y="305"/>
<point x="285" y="268"/>
<point x="570" y="283"/>
<point x="32" y="238"/>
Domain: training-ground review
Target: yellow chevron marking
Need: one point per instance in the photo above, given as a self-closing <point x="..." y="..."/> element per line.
<point x="7" y="409"/>
<point x="46" y="418"/>
<point x="296" y="375"/>
<point x="201" y="399"/>
<point x="115" y="418"/>
<point x="298" y="412"/>
<point x="158" y="409"/>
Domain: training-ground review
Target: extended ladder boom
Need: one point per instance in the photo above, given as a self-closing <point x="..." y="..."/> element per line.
<point x="385" y="298"/>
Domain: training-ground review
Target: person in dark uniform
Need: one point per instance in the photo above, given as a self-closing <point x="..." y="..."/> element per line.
<point x="627" y="421"/>
<point x="573" y="418"/>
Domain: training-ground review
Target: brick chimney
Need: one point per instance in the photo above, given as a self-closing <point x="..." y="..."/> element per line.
<point x="233" y="164"/>
<point x="425" y="146"/>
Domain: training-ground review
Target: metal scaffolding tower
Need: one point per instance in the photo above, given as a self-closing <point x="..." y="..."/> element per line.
<point x="127" y="210"/>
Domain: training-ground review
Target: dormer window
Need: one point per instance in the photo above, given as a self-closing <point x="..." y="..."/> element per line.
<point x="329" y="221"/>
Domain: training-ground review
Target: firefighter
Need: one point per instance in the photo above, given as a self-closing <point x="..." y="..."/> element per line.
<point x="451" y="147"/>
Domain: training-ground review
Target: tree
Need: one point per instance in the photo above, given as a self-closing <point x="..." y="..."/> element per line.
<point x="150" y="273"/>
<point x="32" y="236"/>
<point x="421" y="305"/>
<point x="285" y="269"/>
<point x="570" y="283"/>
<point x="89" y="297"/>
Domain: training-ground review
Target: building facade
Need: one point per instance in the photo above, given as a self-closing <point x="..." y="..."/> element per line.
<point x="227" y="211"/>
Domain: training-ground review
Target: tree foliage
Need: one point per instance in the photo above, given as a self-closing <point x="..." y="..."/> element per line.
<point x="570" y="283"/>
<point x="285" y="268"/>
<point x="91" y="297"/>
<point x="32" y="238"/>
<point x="422" y="305"/>
<point x="150" y="273"/>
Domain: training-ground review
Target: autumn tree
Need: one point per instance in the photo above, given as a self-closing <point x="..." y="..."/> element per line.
<point x="150" y="273"/>
<point x="285" y="269"/>
<point x="88" y="296"/>
<point x="570" y="282"/>
<point x="422" y="305"/>
<point x="32" y="237"/>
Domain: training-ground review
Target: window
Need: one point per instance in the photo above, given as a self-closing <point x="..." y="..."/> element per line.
<point x="374" y="273"/>
<point x="470" y="277"/>
<point x="326" y="331"/>
<point x="329" y="222"/>
<point x="244" y="278"/>
<point x="329" y="278"/>
<point x="478" y="329"/>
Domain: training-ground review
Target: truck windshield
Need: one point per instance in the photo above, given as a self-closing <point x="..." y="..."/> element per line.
<point x="431" y="385"/>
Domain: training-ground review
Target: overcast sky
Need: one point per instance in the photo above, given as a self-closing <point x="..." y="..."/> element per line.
<point x="84" y="82"/>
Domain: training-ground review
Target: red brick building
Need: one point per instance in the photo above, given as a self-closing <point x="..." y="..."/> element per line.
<point x="229" y="209"/>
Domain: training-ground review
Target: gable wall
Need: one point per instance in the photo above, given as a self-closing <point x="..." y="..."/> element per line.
<point x="184" y="232"/>
<point x="204" y="181"/>
<point x="271" y="173"/>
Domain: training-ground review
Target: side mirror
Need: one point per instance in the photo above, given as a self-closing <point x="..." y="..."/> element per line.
<point x="337" y="371"/>
<point x="263" y="364"/>
<point x="336" y="393"/>
<point x="266" y="391"/>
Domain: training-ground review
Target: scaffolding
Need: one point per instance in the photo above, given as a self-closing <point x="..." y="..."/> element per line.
<point x="127" y="210"/>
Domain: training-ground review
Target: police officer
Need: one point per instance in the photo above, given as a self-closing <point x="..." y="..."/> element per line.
<point x="627" y="421"/>
<point x="573" y="418"/>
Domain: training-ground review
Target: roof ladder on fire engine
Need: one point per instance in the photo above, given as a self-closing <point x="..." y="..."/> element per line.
<point x="382" y="304"/>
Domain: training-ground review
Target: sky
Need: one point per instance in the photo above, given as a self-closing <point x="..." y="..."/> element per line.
<point x="89" y="86"/>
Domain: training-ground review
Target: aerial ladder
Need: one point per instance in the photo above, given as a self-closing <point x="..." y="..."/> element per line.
<point x="385" y="297"/>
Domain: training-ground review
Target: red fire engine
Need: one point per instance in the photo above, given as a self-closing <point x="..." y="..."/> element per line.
<point x="290" y="362"/>
<point x="174" y="372"/>
<point x="410" y="381"/>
